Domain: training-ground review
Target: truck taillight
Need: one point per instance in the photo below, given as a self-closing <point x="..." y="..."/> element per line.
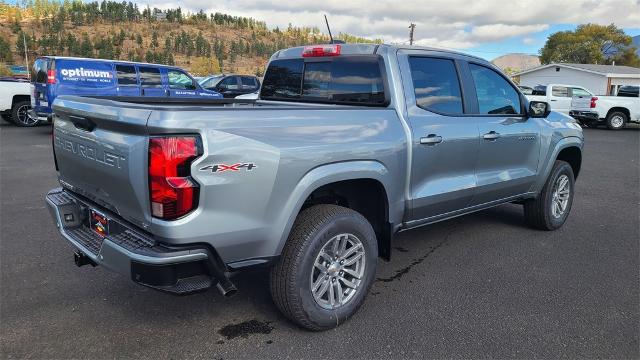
<point x="172" y="191"/>
<point x="321" y="50"/>
<point x="51" y="76"/>
<point x="592" y="105"/>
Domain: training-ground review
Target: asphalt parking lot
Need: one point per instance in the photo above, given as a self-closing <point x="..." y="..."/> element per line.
<point x="480" y="286"/>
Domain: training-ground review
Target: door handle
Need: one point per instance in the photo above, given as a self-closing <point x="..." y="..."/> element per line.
<point x="491" y="135"/>
<point x="431" y="139"/>
<point x="554" y="100"/>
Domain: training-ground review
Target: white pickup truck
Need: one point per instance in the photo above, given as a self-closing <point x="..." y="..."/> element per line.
<point x="559" y="96"/>
<point x="613" y="111"/>
<point x="15" y="102"/>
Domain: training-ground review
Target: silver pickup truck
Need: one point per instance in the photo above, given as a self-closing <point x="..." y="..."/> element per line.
<point x="348" y="145"/>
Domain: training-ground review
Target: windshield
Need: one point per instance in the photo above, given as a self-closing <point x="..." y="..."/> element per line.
<point x="210" y="82"/>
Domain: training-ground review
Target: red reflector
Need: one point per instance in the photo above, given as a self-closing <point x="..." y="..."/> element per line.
<point x="173" y="192"/>
<point x="593" y="102"/>
<point x="321" y="50"/>
<point x="51" y="76"/>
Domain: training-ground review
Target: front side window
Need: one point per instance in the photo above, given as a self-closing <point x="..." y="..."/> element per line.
<point x="180" y="80"/>
<point x="126" y="75"/>
<point x="560" y="91"/>
<point x="495" y="94"/>
<point x="230" y="83"/>
<point x="150" y="77"/>
<point x="436" y="85"/>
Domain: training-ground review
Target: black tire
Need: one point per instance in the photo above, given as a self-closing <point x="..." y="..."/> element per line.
<point x="616" y="120"/>
<point x="538" y="212"/>
<point x="291" y="276"/>
<point x="17" y="114"/>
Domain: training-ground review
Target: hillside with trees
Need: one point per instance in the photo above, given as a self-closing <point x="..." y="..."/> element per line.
<point x="199" y="42"/>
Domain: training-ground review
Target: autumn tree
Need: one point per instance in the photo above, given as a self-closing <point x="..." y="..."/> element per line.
<point x="203" y="66"/>
<point x="590" y="44"/>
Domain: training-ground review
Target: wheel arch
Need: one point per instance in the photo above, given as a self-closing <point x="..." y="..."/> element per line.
<point x="17" y="98"/>
<point x="619" y="109"/>
<point x="359" y="185"/>
<point x="574" y="144"/>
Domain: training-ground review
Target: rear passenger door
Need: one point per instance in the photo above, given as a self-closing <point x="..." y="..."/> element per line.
<point x="509" y="141"/>
<point x="444" y="140"/>
<point x="151" y="82"/>
<point x="127" y="79"/>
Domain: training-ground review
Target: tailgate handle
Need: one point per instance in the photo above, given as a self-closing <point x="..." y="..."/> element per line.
<point x="82" y="123"/>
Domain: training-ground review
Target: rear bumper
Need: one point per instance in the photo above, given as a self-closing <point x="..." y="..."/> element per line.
<point x="40" y="116"/>
<point x="587" y="116"/>
<point x="133" y="253"/>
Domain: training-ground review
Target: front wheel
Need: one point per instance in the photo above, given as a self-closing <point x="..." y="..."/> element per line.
<point x="20" y="114"/>
<point x="326" y="268"/>
<point x="550" y="209"/>
<point x="616" y="120"/>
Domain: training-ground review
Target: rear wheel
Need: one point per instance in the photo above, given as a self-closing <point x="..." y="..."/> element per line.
<point x="326" y="267"/>
<point x="20" y="114"/>
<point x="550" y="209"/>
<point x="616" y="120"/>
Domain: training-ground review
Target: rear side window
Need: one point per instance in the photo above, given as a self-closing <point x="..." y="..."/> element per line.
<point x="126" y="75"/>
<point x="353" y="80"/>
<point x="495" y="94"/>
<point x="436" y="85"/>
<point x="559" y="91"/>
<point x="629" y="91"/>
<point x="150" y="77"/>
<point x="180" y="80"/>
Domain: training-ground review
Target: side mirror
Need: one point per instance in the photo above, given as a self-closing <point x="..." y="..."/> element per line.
<point x="539" y="109"/>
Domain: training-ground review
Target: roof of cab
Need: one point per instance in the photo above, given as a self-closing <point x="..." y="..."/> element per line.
<point x="361" y="49"/>
<point x="104" y="60"/>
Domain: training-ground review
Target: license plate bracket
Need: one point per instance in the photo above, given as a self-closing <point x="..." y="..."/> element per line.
<point x="99" y="223"/>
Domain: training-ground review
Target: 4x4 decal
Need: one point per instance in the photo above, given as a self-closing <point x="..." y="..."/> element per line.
<point x="233" y="167"/>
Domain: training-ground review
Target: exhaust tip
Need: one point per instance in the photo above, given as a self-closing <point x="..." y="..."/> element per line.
<point x="227" y="289"/>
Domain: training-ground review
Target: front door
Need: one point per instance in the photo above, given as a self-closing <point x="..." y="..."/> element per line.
<point x="560" y="99"/>
<point x="509" y="141"/>
<point x="181" y="84"/>
<point x="444" y="140"/>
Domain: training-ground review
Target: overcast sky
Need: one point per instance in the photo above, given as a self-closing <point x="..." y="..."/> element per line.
<point x="487" y="28"/>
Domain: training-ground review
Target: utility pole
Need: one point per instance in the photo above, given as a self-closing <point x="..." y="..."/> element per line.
<point x="26" y="59"/>
<point x="412" y="27"/>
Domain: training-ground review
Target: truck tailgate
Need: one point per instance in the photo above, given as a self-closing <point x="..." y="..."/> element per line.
<point x="101" y="153"/>
<point x="581" y="103"/>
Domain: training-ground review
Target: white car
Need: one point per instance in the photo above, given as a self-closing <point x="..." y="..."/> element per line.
<point x="15" y="102"/>
<point x="559" y="96"/>
<point x="613" y="111"/>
